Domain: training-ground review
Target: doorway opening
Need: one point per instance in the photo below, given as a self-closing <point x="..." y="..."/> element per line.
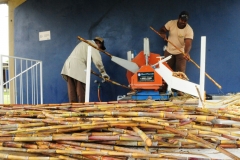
<point x="4" y="47"/>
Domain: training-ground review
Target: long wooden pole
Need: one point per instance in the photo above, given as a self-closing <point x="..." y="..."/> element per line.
<point x="220" y="87"/>
<point x="82" y="39"/>
<point x="111" y="81"/>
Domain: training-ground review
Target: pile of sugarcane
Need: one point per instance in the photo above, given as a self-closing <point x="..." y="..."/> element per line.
<point x="124" y="130"/>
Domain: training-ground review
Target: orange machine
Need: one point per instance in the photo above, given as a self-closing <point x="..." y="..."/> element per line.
<point x="146" y="78"/>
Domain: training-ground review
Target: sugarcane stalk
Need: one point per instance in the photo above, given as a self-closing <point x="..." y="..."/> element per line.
<point x="18" y="157"/>
<point x="205" y="143"/>
<point x="94" y="152"/>
<point x="81" y="126"/>
<point x="144" y="137"/>
<point x="19" y="145"/>
<point x="105" y="147"/>
<point x="200" y="97"/>
<point x="101" y="126"/>
<point x="229" y="154"/>
<point x="82" y="39"/>
<point x="129" y="132"/>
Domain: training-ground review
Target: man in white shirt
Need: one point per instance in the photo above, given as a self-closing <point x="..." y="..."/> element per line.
<point x="73" y="70"/>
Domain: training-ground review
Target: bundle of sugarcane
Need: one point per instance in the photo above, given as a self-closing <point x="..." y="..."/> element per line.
<point x="180" y="75"/>
<point x="114" y="130"/>
<point x="227" y="102"/>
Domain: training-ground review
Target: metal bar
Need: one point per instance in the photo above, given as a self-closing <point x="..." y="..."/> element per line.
<point x="202" y="70"/>
<point x="34" y="87"/>
<point x="88" y="74"/>
<point x="41" y="83"/>
<point x="36" y="84"/>
<point x="21" y="84"/>
<point x="21" y="58"/>
<point x="22" y="72"/>
<point x="15" y="79"/>
<point x="18" y="79"/>
<point x="27" y="82"/>
<point x="146" y="49"/>
<point x="32" y="81"/>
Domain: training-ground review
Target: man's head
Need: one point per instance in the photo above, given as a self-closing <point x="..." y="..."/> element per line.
<point x="184" y="15"/>
<point x="100" y="42"/>
<point x="183" y="19"/>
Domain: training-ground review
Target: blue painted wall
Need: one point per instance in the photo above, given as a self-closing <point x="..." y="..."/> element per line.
<point x="123" y="24"/>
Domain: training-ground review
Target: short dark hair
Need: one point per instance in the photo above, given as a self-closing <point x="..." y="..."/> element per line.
<point x="184" y="15"/>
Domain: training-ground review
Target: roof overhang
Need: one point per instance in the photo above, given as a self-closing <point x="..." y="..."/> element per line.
<point x="3" y="1"/>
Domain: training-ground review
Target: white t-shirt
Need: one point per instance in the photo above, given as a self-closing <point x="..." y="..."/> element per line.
<point x="177" y="36"/>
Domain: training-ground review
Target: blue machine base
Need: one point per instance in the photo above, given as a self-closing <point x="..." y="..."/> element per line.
<point x="150" y="94"/>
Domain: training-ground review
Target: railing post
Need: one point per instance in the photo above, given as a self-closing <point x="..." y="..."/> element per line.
<point x="18" y="84"/>
<point x="202" y="70"/>
<point x="88" y="74"/>
<point x="15" y="83"/>
<point x="27" y="82"/>
<point x="41" y="83"/>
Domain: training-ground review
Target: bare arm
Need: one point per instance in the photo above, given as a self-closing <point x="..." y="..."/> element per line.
<point x="163" y="32"/>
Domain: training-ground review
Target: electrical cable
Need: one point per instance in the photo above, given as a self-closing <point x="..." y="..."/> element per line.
<point x="99" y="99"/>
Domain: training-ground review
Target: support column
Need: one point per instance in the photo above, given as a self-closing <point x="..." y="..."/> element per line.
<point x="12" y="4"/>
<point x="202" y="69"/>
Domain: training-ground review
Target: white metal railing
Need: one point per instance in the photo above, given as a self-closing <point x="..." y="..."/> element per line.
<point x="21" y="80"/>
